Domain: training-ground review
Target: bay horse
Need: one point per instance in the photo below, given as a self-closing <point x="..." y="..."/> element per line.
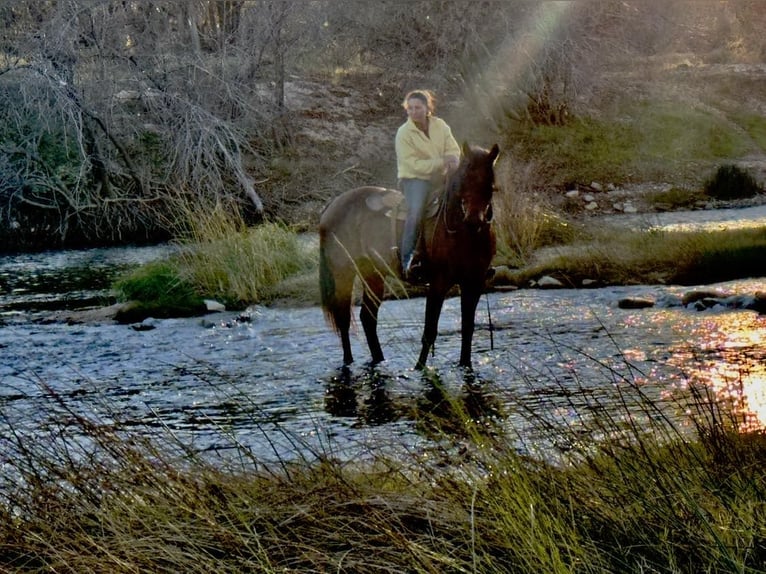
<point x="359" y="235"/>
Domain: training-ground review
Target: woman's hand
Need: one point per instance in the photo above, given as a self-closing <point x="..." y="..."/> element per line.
<point x="450" y="163"/>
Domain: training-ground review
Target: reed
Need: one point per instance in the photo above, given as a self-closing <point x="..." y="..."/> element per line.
<point x="621" y="487"/>
<point x="246" y="265"/>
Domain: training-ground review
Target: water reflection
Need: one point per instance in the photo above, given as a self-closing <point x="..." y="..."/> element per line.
<point x="730" y="360"/>
<point x="342" y="396"/>
<point x="448" y="402"/>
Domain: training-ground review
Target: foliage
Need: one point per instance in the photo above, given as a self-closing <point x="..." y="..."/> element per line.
<point x="247" y="265"/>
<point x="627" y="490"/>
<point x="659" y="142"/>
<point x="630" y="257"/>
<point x="523" y="222"/>
<point x="157" y="290"/>
<point x="732" y="182"/>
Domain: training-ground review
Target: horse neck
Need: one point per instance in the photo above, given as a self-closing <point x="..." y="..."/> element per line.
<point x="443" y="229"/>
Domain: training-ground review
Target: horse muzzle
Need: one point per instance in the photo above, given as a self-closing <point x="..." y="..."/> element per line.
<point x="477" y="219"/>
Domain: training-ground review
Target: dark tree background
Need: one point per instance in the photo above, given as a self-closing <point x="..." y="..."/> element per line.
<point x="120" y="119"/>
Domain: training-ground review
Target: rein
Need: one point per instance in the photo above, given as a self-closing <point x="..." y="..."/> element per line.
<point x="451" y="188"/>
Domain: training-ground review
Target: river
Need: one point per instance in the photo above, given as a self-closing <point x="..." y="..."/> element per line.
<point x="269" y="380"/>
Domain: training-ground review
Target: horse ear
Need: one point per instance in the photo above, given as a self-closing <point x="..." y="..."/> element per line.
<point x="494" y="152"/>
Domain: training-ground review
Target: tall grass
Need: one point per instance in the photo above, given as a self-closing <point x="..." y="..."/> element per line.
<point x="628" y="490"/>
<point x="523" y="221"/>
<point x="246" y="265"/>
<point x="222" y="258"/>
<point x="630" y="257"/>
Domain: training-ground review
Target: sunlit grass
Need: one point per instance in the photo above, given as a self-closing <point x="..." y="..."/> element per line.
<point x="639" y="141"/>
<point x="246" y="266"/>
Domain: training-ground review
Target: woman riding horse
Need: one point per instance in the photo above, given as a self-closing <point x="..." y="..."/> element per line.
<point x="358" y="236"/>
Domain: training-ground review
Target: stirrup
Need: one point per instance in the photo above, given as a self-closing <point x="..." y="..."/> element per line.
<point x="414" y="272"/>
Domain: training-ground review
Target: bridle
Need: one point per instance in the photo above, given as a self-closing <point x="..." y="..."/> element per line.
<point x="451" y="190"/>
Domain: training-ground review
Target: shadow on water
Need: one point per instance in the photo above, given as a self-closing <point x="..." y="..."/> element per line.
<point x="436" y="406"/>
<point x="343" y="391"/>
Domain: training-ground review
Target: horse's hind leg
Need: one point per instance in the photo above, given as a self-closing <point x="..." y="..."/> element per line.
<point x="341" y="313"/>
<point x="373" y="295"/>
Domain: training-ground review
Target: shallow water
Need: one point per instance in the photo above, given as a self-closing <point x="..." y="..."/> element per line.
<point x="270" y="380"/>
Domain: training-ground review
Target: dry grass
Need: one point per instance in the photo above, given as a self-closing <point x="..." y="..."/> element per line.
<point x="648" y="496"/>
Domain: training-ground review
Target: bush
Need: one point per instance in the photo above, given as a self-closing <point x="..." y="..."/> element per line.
<point x="731" y="182"/>
<point x="157" y="290"/>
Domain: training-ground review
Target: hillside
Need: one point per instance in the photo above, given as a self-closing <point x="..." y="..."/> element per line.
<point x="685" y="118"/>
<point x="124" y="122"/>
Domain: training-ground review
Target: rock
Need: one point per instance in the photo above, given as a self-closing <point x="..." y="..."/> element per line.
<point x="503" y="275"/>
<point x="145" y="325"/>
<point x="548" y="282"/>
<point x="572" y="193"/>
<point x="758" y="303"/>
<point x="589" y="282"/>
<point x="694" y="296"/>
<point x="629" y="208"/>
<point x="596" y="186"/>
<point x="669" y="300"/>
<point x="618" y="206"/>
<point x="591" y="206"/>
<point x="588" y="197"/>
<point x="635" y="303"/>
<point x="214" y="306"/>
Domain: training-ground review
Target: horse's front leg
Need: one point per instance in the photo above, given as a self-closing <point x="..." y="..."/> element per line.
<point x="469" y="300"/>
<point x="373" y="295"/>
<point x="434" y="302"/>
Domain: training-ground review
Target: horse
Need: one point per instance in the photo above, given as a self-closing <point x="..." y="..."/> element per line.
<point x="359" y="235"/>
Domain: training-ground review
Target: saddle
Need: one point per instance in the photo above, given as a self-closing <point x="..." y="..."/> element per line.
<point x="393" y="205"/>
<point x="391" y="202"/>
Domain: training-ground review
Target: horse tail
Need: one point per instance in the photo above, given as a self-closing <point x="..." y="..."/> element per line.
<point x="327" y="284"/>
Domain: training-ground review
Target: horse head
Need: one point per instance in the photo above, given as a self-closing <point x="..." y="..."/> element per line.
<point x="473" y="184"/>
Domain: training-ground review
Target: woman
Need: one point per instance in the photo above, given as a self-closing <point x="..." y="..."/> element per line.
<point x="425" y="152"/>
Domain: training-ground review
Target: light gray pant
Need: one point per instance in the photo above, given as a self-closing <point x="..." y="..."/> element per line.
<point x="416" y="193"/>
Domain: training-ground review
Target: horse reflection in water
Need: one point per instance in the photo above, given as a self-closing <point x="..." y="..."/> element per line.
<point x="358" y="236"/>
<point x="364" y="396"/>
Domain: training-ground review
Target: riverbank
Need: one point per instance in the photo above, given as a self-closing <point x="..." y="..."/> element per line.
<point x="584" y="264"/>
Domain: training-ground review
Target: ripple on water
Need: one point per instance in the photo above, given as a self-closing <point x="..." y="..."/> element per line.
<point x="273" y="384"/>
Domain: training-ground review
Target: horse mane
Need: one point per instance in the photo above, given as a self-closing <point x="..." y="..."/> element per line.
<point x="452" y="189"/>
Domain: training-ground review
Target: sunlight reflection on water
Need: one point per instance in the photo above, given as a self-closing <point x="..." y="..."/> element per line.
<point x="555" y="357"/>
<point x="730" y="359"/>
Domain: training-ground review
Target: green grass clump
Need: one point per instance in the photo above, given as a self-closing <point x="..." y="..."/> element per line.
<point x="732" y="182"/>
<point x="236" y="267"/>
<point x="633" y="257"/>
<point x="158" y="290"/>
<point x="248" y="265"/>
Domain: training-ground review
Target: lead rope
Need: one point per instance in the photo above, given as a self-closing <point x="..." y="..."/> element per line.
<point x="489" y="320"/>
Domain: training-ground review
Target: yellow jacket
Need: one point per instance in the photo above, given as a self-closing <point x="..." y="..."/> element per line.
<point x="419" y="156"/>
